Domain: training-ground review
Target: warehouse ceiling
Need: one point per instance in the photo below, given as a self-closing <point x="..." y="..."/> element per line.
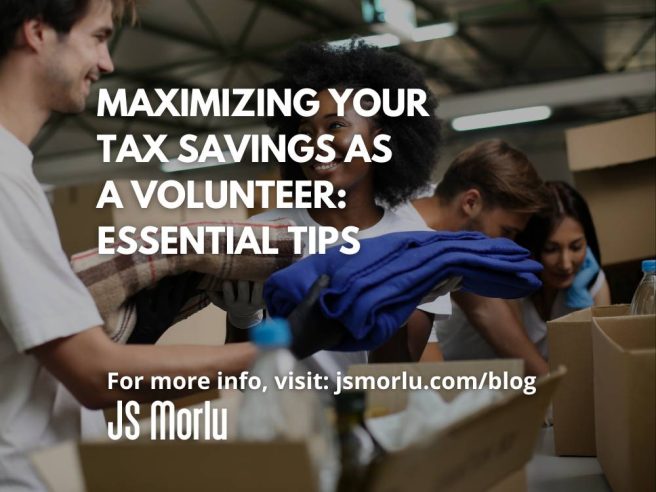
<point x="591" y="60"/>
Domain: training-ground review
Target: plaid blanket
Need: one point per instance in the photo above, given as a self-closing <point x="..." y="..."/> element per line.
<point x="121" y="285"/>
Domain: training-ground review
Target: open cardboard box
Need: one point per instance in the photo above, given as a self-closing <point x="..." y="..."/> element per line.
<point x="473" y="454"/>
<point x="614" y="169"/>
<point x="570" y="345"/>
<point x="486" y="450"/>
<point x="625" y="400"/>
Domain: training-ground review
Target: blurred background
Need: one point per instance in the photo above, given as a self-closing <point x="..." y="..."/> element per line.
<point x="572" y="63"/>
<point x="587" y="60"/>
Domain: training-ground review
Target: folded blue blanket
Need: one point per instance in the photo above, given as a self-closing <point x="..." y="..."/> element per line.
<point x="373" y="292"/>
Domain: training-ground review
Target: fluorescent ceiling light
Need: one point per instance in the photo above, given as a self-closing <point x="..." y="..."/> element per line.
<point x="400" y="16"/>
<point x="176" y="166"/>
<point x="434" y="31"/>
<point x="418" y="34"/>
<point x="501" y="118"/>
<point x="379" y="40"/>
<point x="396" y="16"/>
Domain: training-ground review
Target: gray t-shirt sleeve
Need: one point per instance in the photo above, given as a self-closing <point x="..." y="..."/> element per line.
<point x="41" y="298"/>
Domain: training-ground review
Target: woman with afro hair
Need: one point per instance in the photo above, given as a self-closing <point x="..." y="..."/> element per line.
<point x="414" y="139"/>
<point x="372" y="190"/>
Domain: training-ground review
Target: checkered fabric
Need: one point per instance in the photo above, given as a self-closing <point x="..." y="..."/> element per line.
<point x="114" y="279"/>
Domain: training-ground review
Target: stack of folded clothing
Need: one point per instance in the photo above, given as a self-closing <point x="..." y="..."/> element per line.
<point x="373" y="293"/>
<point x="139" y="296"/>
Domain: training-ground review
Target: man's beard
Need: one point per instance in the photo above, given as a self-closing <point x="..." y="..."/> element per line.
<point x="65" y="93"/>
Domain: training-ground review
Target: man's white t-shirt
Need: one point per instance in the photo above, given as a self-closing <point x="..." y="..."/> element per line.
<point x="442" y="306"/>
<point x="329" y="362"/>
<point x="459" y="340"/>
<point x="41" y="299"/>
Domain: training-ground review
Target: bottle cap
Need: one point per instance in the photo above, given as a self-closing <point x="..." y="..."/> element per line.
<point x="351" y="402"/>
<point x="649" y="266"/>
<point x="272" y="332"/>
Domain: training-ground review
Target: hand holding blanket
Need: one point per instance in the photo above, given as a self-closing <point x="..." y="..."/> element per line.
<point x="115" y="280"/>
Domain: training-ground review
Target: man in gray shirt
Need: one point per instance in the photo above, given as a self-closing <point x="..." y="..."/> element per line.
<point x="50" y="54"/>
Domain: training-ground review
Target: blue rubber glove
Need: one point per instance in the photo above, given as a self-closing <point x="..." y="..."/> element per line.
<point x="578" y="296"/>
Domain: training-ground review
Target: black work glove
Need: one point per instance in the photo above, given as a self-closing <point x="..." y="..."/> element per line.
<point x="311" y="330"/>
<point x="158" y="306"/>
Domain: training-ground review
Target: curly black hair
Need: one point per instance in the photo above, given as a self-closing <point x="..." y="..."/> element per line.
<point x="414" y="139"/>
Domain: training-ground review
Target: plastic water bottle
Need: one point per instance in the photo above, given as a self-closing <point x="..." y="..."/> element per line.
<point x="644" y="299"/>
<point x="271" y="413"/>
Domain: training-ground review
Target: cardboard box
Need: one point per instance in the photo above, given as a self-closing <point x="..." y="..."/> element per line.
<point x="614" y="142"/>
<point x="515" y="482"/>
<point x="614" y="169"/>
<point x="77" y="217"/>
<point x="625" y="400"/>
<point x="175" y="466"/>
<point x="489" y="447"/>
<point x="179" y="466"/>
<point x="570" y="344"/>
<point x="476" y="453"/>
